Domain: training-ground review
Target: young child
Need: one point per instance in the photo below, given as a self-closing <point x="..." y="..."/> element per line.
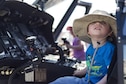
<point x="98" y="29"/>
<point x="76" y="46"/>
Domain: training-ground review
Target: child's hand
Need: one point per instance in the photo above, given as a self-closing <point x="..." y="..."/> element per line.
<point x="78" y="73"/>
<point x="68" y="45"/>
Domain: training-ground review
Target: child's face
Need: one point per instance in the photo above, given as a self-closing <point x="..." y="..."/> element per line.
<point x="99" y="29"/>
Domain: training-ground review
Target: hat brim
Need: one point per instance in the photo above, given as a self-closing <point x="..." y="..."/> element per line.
<point x="80" y="25"/>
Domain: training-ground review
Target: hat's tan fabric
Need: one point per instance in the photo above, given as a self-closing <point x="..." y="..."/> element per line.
<point x="80" y="25"/>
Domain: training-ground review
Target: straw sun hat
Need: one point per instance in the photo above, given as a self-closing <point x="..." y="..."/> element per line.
<point x="80" y="25"/>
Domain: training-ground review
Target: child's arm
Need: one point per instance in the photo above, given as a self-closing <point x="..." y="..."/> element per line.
<point x="80" y="73"/>
<point x="103" y="80"/>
